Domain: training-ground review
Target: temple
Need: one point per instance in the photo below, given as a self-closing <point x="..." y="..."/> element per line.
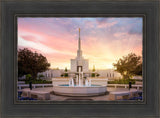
<point x="79" y="63"/>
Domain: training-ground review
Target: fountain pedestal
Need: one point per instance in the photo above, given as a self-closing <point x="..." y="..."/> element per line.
<point x="80" y="89"/>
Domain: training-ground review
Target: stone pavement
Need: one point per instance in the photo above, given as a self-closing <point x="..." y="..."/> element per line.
<point x="68" y="98"/>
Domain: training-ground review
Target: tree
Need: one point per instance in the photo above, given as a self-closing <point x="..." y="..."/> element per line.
<point x="138" y="70"/>
<point x="28" y="77"/>
<point x="129" y="65"/>
<point x="66" y="73"/>
<point x="31" y="63"/>
<point x="94" y="74"/>
<point x="93" y="70"/>
<point x="65" y="69"/>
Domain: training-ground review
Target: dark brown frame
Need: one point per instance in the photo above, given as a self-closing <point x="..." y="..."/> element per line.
<point x="147" y="9"/>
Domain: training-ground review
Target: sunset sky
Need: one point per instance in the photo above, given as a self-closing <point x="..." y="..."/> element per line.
<point x="103" y="40"/>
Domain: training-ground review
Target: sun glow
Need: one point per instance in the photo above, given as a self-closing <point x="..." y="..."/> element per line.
<point x="103" y="40"/>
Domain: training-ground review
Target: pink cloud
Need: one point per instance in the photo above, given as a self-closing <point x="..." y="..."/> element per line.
<point x="29" y="38"/>
<point x="106" y="24"/>
<point x="89" y="24"/>
<point x="61" y="45"/>
<point x="64" y="43"/>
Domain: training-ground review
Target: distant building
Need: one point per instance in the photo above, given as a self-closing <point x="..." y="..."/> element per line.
<point x="51" y="73"/>
<point x="55" y="73"/>
<point x="109" y="73"/>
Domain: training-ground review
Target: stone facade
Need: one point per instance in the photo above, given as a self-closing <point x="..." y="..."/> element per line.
<point x="109" y="73"/>
<point x="82" y="62"/>
<point x="51" y="73"/>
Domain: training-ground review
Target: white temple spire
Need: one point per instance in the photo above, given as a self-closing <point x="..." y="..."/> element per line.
<point x="79" y="51"/>
<point x="79" y="63"/>
<point x="79" y="43"/>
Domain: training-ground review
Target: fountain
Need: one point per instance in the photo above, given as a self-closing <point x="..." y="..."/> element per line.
<point x="80" y="89"/>
<point x="77" y="86"/>
<point x="86" y="83"/>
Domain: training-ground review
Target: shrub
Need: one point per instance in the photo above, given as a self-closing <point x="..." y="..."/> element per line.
<point x="98" y="75"/>
<point x="122" y="81"/>
<point x="93" y="75"/>
<point x="40" y="76"/>
<point x="39" y="81"/>
<point x="62" y="75"/>
<point x="66" y="75"/>
<point x="28" y="77"/>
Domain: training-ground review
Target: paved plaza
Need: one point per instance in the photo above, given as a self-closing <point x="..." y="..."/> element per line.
<point x="106" y="97"/>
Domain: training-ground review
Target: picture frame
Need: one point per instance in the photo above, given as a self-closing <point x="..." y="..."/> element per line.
<point x="16" y="101"/>
<point x="150" y="12"/>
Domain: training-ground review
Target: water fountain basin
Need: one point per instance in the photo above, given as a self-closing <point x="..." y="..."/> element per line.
<point x="92" y="90"/>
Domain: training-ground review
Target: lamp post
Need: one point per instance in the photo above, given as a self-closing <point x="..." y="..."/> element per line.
<point x="130" y="85"/>
<point x="30" y="85"/>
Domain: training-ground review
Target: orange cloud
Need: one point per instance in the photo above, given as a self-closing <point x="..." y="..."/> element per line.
<point x="102" y="43"/>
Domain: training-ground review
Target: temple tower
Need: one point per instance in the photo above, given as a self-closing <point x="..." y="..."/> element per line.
<point x="79" y="63"/>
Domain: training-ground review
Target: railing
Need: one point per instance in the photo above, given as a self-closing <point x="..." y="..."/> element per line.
<point x="108" y="85"/>
<point x="125" y="86"/>
<point x="34" y="85"/>
<point x="21" y="82"/>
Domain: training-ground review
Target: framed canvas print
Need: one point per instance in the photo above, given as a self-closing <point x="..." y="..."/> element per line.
<point x="104" y="69"/>
<point x="80" y="59"/>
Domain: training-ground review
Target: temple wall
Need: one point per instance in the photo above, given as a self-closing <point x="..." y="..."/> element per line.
<point x="84" y="63"/>
<point x="73" y="65"/>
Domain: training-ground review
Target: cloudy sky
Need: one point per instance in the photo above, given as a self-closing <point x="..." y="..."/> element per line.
<point x="103" y="40"/>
